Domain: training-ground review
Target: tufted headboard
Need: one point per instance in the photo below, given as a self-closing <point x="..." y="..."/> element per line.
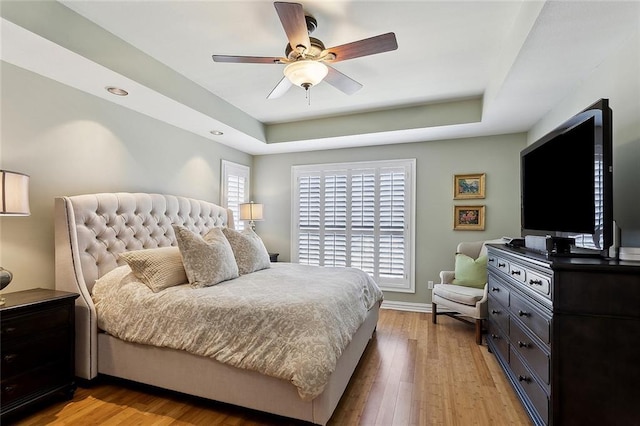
<point x="92" y="230"/>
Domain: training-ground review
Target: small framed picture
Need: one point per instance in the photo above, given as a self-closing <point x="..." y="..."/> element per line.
<point x="468" y="218"/>
<point x="468" y="186"/>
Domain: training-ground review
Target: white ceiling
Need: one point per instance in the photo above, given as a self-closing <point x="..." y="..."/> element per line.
<point x="461" y="69"/>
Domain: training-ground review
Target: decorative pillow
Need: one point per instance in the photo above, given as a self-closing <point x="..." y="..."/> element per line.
<point x="249" y="250"/>
<point x="470" y="272"/>
<point x="158" y="268"/>
<point x="207" y="261"/>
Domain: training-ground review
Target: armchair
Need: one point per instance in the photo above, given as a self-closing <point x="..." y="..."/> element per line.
<point x="461" y="301"/>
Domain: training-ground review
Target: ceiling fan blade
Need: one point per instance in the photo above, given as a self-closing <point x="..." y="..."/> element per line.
<point x="342" y="82"/>
<point x="280" y="89"/>
<point x="246" y="59"/>
<point x="294" y="24"/>
<point x="364" y="47"/>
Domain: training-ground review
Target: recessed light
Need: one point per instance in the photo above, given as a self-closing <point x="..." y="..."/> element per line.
<point x="116" y="91"/>
<point x="216" y="132"/>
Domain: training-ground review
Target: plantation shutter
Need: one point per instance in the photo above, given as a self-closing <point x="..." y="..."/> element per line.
<point x="356" y="215"/>
<point x="309" y="220"/>
<point x="235" y="189"/>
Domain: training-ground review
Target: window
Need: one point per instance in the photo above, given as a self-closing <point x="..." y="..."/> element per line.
<point x="235" y="189"/>
<point x="358" y="215"/>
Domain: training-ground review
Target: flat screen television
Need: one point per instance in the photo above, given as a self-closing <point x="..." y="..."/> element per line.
<point x="566" y="182"/>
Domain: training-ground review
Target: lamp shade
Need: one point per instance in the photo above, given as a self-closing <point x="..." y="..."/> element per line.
<point x="306" y="73"/>
<point x="251" y="211"/>
<point x="14" y="194"/>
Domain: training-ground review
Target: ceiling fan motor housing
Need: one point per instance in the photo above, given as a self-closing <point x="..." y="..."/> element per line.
<point x="313" y="52"/>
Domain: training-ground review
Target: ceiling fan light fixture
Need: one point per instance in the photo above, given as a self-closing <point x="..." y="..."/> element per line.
<point x="306" y="73"/>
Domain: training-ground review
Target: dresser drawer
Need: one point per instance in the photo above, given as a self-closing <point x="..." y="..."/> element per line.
<point x="498" y="314"/>
<point x="499" y="340"/>
<point x="535" y="393"/>
<point x="539" y="283"/>
<point x="533" y="318"/>
<point x="35" y="322"/>
<point x="536" y="357"/>
<point x="517" y="272"/>
<point x="21" y="355"/>
<point x="502" y="265"/>
<point x="499" y="291"/>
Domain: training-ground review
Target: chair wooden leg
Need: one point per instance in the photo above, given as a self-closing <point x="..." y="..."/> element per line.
<point x="479" y="331"/>
<point x="434" y="312"/>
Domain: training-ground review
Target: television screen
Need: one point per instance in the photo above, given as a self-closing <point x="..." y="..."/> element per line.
<point x="566" y="181"/>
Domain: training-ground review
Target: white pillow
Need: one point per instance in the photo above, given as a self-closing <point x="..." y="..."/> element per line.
<point x="207" y="261"/>
<point x="158" y="268"/>
<point x="249" y="250"/>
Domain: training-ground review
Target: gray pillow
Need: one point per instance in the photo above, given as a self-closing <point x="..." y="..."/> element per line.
<point x="207" y="261"/>
<point x="158" y="268"/>
<point x="249" y="250"/>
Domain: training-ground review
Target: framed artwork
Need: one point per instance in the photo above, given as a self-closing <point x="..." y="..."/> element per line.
<point x="468" y="186"/>
<point x="468" y="218"/>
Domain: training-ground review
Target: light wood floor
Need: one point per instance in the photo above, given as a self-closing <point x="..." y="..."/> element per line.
<point x="412" y="373"/>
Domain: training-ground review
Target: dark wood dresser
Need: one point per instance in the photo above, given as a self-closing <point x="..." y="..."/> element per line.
<point x="566" y="331"/>
<point x="37" y="348"/>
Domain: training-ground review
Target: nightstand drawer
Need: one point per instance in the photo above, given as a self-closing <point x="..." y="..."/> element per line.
<point x="22" y="355"/>
<point x="35" y="322"/>
<point x="41" y="380"/>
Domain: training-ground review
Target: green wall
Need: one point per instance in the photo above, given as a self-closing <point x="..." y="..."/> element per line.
<point x="436" y="164"/>
<point x="71" y="143"/>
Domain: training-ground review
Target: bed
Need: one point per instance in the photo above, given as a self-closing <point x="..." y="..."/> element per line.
<point x="91" y="234"/>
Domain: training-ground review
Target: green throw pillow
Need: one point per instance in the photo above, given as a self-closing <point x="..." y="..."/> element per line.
<point x="470" y="272"/>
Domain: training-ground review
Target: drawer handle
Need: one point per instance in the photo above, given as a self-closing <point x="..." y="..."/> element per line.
<point x="501" y="265"/>
<point x="9" y="330"/>
<point x="523" y="314"/>
<point x="524" y="379"/>
<point x="495" y="289"/>
<point x="495" y="312"/>
<point x="491" y="259"/>
<point x="9" y="389"/>
<point x="535" y="282"/>
<point x="523" y="344"/>
<point x="10" y="358"/>
<point x="495" y="336"/>
<point x="515" y="272"/>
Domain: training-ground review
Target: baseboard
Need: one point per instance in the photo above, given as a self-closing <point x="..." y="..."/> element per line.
<point x="411" y="307"/>
<point x="406" y="306"/>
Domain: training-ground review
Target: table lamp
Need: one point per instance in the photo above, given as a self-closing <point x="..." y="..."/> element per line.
<point x="14" y="201"/>
<point x="251" y="211"/>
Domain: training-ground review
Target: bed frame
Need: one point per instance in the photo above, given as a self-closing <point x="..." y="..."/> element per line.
<point x="92" y="230"/>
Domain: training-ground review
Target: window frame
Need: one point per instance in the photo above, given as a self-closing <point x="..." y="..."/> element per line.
<point x="407" y="283"/>
<point x="228" y="169"/>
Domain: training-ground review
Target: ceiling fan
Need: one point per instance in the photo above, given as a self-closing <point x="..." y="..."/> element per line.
<point x="306" y="58"/>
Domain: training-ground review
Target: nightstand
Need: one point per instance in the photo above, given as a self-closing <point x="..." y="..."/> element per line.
<point x="37" y="348"/>
<point x="274" y="257"/>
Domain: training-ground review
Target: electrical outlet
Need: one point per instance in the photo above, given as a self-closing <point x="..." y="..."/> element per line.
<point x="430" y="285"/>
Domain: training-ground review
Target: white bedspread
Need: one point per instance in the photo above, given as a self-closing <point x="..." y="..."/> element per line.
<point x="290" y="321"/>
